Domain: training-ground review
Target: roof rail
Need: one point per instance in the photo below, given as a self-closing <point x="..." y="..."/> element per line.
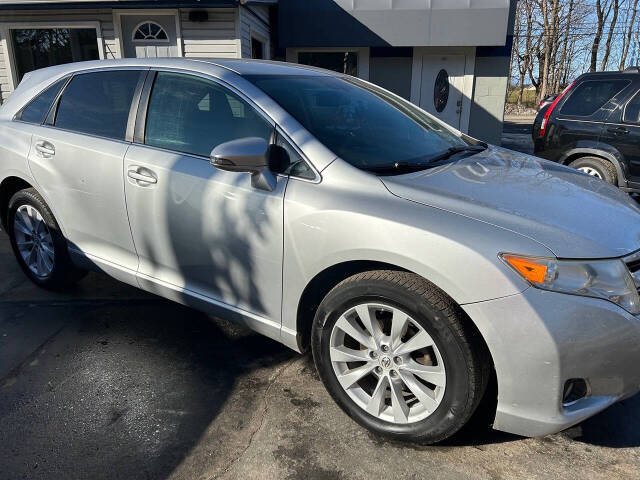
<point x="632" y="69"/>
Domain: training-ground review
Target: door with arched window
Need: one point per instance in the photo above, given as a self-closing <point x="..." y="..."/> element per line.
<point x="149" y="36"/>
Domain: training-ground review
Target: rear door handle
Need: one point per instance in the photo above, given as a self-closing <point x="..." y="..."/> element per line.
<point x="618" y="131"/>
<point x="141" y="177"/>
<point x="45" y="149"/>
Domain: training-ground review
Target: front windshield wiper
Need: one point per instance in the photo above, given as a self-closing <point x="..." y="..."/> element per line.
<point x="407" y="167"/>
<point x="450" y="152"/>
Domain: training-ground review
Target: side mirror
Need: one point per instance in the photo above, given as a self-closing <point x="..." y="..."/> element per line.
<point x="248" y="155"/>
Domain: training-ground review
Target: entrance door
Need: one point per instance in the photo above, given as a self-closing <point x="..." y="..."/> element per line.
<point x="441" y="87"/>
<point x="149" y="36"/>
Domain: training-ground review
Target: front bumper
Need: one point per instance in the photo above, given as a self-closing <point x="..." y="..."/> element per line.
<point x="539" y="340"/>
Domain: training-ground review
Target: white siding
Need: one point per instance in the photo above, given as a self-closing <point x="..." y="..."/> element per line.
<point x="103" y="16"/>
<point x="249" y="25"/>
<point x="4" y="74"/>
<point x="215" y="38"/>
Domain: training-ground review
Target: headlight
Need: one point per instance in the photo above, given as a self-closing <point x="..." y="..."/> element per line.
<point x="608" y="279"/>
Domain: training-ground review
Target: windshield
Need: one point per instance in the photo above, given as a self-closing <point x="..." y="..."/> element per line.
<point x="362" y="124"/>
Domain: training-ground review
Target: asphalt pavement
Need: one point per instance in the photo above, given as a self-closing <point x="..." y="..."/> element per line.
<point x="108" y="382"/>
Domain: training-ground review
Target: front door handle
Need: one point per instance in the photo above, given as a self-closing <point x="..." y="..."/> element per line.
<point x="141" y="177"/>
<point x="618" y="131"/>
<point x="45" y="149"/>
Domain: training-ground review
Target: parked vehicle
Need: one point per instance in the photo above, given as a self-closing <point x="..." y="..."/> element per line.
<point x="594" y="126"/>
<point x="547" y="100"/>
<point x="327" y="213"/>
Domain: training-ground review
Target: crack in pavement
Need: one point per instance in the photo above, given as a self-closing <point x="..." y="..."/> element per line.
<point x="265" y="410"/>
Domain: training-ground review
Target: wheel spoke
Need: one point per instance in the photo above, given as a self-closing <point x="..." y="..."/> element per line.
<point x="47" y="261"/>
<point x="21" y="226"/>
<point x="350" y="377"/>
<point x="31" y="258"/>
<point x="398" y="324"/>
<point x="398" y="404"/>
<point x="371" y="324"/>
<point x="48" y="251"/>
<point x="39" y="263"/>
<point x="418" y="341"/>
<point x="345" y="354"/>
<point x="376" y="402"/>
<point x="349" y="327"/>
<point x="424" y="395"/>
<point x="432" y="374"/>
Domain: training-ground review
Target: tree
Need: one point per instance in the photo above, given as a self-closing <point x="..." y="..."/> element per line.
<point x="628" y="32"/>
<point x="612" y="26"/>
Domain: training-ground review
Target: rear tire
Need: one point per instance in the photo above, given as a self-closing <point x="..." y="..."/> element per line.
<point x="597" y="167"/>
<point x="421" y="395"/>
<point x="38" y="244"/>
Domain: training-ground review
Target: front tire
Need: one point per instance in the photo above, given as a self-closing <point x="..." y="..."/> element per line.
<point x="399" y="357"/>
<point x="38" y="244"/>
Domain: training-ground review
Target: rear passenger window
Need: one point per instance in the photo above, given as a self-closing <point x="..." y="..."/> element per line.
<point x="590" y="96"/>
<point x="193" y="115"/>
<point x="632" y="111"/>
<point x="98" y="103"/>
<point x="37" y="110"/>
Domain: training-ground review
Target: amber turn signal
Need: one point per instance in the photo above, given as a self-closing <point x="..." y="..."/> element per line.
<point x="533" y="271"/>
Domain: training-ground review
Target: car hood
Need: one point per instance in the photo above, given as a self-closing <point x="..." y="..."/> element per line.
<point x="572" y="214"/>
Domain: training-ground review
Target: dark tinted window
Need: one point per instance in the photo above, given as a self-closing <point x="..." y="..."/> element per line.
<point x="193" y="115"/>
<point x="632" y="112"/>
<point x="341" y="62"/>
<point x="36" y="111"/>
<point x="588" y="97"/>
<point x="362" y="124"/>
<point x="98" y="103"/>
<point x="288" y="161"/>
<point x="43" y="47"/>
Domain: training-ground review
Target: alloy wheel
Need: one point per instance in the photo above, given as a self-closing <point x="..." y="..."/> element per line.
<point x="387" y="363"/>
<point x="34" y="241"/>
<point x="590" y="171"/>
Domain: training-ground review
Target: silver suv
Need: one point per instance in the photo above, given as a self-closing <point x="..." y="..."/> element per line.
<point x="417" y="263"/>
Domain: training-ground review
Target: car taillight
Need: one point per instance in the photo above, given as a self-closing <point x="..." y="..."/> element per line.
<point x="547" y="114"/>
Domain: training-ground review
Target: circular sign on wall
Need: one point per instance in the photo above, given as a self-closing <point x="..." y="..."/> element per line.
<point x="441" y="91"/>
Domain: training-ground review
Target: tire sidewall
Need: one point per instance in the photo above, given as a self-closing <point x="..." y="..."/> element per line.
<point x="25" y="197"/>
<point x="597" y="165"/>
<point x="456" y="400"/>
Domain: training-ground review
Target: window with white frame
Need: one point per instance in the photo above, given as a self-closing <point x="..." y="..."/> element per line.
<point x="149" y="31"/>
<point x="35" y="48"/>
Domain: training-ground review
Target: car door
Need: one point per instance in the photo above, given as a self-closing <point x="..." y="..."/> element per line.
<point x="202" y="233"/>
<point x="579" y="120"/>
<point x="77" y="158"/>
<point x="622" y="133"/>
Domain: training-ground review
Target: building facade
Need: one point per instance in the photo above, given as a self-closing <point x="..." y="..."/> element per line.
<point x="451" y="57"/>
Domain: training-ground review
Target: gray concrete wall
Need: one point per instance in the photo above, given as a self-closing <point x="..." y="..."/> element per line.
<point x="490" y="86"/>
<point x="392" y="73"/>
<point x="487" y="107"/>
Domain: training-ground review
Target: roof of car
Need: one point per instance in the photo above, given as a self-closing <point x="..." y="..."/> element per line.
<point x="238" y="66"/>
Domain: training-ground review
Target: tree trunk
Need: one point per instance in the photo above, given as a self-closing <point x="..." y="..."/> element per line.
<point x="595" y="46"/>
<point x="612" y="26"/>
<point x="628" y="36"/>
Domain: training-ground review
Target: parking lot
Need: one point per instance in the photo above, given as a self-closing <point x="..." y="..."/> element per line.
<point x="109" y="382"/>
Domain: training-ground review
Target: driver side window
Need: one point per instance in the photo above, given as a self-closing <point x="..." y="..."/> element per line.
<point x="194" y="115"/>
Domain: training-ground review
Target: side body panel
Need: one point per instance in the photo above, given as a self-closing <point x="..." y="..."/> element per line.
<point x="331" y="222"/>
<point x="83" y="179"/>
<point x="623" y="139"/>
<point x="206" y="231"/>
